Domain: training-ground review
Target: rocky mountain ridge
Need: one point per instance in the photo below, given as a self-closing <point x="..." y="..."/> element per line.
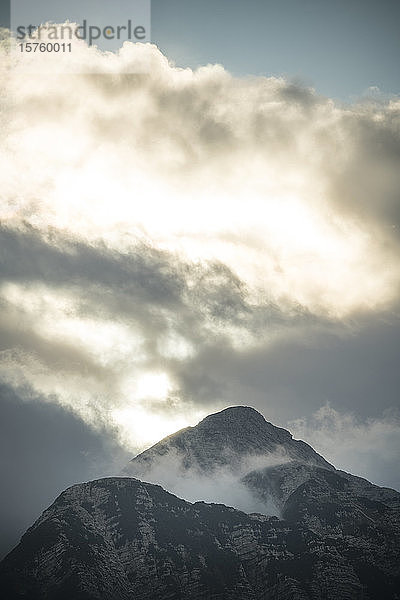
<point x="225" y="439"/>
<point x="218" y="459"/>
<point x="120" y="538"/>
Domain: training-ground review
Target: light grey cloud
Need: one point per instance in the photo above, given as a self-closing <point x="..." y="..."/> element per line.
<point x="365" y="183"/>
<point x="179" y="311"/>
<point x="164" y="155"/>
<point x="178" y="241"/>
<point x="222" y="484"/>
<point x="352" y="365"/>
<point x="368" y="447"/>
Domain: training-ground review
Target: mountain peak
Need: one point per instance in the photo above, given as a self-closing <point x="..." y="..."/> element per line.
<point x="238" y="412"/>
<point x="242" y="428"/>
<point x="244" y="414"/>
<point x="226" y="439"/>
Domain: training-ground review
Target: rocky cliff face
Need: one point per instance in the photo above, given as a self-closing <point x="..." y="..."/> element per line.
<point x="222" y="458"/>
<point x="119" y="538"/>
<point x="233" y="438"/>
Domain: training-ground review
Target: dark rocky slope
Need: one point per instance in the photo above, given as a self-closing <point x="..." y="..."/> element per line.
<point x="120" y="539"/>
<point x="226" y="439"/>
<point x="338" y="536"/>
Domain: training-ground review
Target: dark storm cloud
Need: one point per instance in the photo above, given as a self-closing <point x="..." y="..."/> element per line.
<point x="145" y="273"/>
<point x="151" y="293"/>
<point x="103" y="283"/>
<point x="295" y="362"/>
<point x="352" y="366"/>
<point x="44" y="448"/>
<point x="142" y="284"/>
<point x="125" y="283"/>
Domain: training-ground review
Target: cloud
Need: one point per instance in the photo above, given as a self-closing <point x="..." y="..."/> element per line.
<point x="45" y="448"/>
<point x="176" y="240"/>
<point x="92" y="326"/>
<point x="216" y="167"/>
<point x="366" y="447"/>
<point x="219" y="484"/>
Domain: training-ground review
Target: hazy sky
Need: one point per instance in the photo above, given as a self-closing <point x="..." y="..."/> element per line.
<point x="179" y="241"/>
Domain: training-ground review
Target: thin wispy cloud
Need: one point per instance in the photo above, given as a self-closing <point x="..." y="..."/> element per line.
<point x="366" y="447"/>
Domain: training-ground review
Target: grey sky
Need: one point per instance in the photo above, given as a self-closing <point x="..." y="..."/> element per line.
<point x="44" y="449"/>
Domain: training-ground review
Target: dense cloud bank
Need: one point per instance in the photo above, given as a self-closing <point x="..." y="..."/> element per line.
<point x="174" y="242"/>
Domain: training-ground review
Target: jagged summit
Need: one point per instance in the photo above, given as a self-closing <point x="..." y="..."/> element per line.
<point x="248" y="419"/>
<point x="224" y="439"/>
<point x="213" y="460"/>
<point x="242" y="413"/>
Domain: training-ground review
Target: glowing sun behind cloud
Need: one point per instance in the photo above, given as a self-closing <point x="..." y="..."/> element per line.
<point x="183" y="209"/>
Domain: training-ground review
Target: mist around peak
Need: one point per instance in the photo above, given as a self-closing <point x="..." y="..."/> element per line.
<point x="221" y="484"/>
<point x="222" y="459"/>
